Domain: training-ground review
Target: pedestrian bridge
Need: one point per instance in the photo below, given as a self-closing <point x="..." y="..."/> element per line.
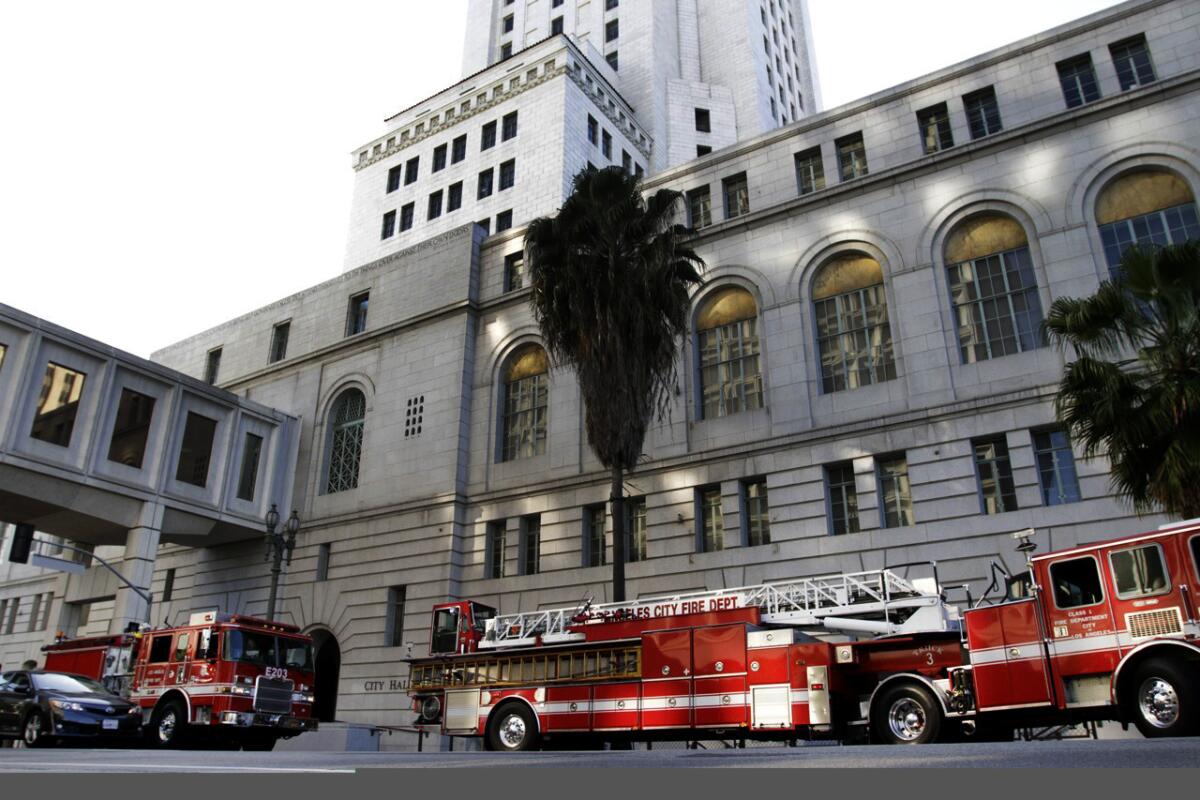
<point x="102" y="447"/>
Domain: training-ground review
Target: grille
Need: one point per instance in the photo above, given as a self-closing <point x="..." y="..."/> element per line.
<point x="1148" y="624"/>
<point x="273" y="696"/>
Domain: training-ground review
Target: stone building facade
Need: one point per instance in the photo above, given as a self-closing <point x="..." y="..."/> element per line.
<point x="866" y="383"/>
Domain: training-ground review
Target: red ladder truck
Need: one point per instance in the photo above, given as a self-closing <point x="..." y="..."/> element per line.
<point x="222" y="679"/>
<point x="1100" y="632"/>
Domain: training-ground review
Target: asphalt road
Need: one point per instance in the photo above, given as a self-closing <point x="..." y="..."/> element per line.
<point x="1117" y="754"/>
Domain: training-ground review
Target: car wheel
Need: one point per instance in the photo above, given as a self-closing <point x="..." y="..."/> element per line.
<point x="168" y="725"/>
<point x="1164" y="700"/>
<point x="36" y="731"/>
<point x="512" y="728"/>
<point x="906" y="714"/>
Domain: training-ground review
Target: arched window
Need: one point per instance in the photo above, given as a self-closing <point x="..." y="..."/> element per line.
<point x="345" y="441"/>
<point x="1146" y="207"/>
<point x="727" y="339"/>
<point x="853" y="334"/>
<point x="526" y="400"/>
<point x="993" y="287"/>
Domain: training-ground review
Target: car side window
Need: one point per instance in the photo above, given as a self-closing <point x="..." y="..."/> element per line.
<point x="1076" y="583"/>
<point x="20" y="682"/>
<point x="5" y="680"/>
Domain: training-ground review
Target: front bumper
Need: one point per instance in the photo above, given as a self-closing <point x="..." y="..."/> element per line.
<point x="259" y="719"/>
<point x="81" y="723"/>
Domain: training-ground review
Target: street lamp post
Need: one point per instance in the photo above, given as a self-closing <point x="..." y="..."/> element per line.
<point x="279" y="544"/>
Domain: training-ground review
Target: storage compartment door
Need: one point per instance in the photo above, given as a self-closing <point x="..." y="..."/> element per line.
<point x="770" y="707"/>
<point x="462" y="711"/>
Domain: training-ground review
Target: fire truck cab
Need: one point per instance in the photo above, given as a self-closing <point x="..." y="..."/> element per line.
<point x="231" y="679"/>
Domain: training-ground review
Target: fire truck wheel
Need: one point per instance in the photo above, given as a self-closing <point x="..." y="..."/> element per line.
<point x="36" y="731"/>
<point x="906" y="713"/>
<point x="1164" y="700"/>
<point x="512" y="728"/>
<point x="168" y="724"/>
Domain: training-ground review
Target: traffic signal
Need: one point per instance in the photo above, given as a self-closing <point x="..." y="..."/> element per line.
<point x="22" y="541"/>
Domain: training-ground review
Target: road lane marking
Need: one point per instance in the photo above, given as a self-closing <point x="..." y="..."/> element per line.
<point x="47" y="766"/>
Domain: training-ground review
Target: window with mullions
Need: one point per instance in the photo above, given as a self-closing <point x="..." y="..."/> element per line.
<point x="737" y="195"/>
<point x="699" y="203"/>
<point x="854" y="336"/>
<point x="842" y="495"/>
<point x="514" y="271"/>
<point x="712" y="520"/>
<point x="852" y="156"/>
<point x="508" y="126"/>
<point x="757" y="516"/>
<point x="727" y="341"/>
<point x="895" y="492"/>
<point x="1132" y="60"/>
<point x="458" y="149"/>
<point x="279" y="342"/>
<point x="936" y="134"/>
<point x="1056" y="467"/>
<point x="494" y="549"/>
<point x="345" y="441"/>
<point x="1148" y="207"/>
<point x="439" y="158"/>
<point x="635" y="529"/>
<point x="595" y="549"/>
<point x="993" y="288"/>
<point x="997" y="493"/>
<point x="531" y="544"/>
<point x="983" y="113"/>
<point x="810" y="171"/>
<point x="526" y="402"/>
<point x="1078" y="79"/>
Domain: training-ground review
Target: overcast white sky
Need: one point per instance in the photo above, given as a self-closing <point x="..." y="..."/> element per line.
<point x="164" y="169"/>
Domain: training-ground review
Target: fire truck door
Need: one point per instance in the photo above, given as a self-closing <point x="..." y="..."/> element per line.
<point x="177" y="670"/>
<point x="1008" y="656"/>
<point x="667" y="679"/>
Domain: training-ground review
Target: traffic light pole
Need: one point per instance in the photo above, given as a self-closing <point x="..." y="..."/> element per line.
<point x="136" y="590"/>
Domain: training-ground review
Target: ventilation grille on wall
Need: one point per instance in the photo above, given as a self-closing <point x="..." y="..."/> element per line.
<point x="414" y="415"/>
<point x="1149" y="624"/>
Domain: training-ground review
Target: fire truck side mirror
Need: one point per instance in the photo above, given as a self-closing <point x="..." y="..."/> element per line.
<point x="203" y="646"/>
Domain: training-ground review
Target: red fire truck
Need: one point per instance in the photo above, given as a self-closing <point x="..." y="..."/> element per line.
<point x="224" y="678"/>
<point x="1104" y="631"/>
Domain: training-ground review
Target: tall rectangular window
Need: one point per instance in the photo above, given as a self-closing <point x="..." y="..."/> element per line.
<point x="356" y="314"/>
<point x="635" y="529"/>
<point x="484" y="186"/>
<point x="507" y="24"/>
<point x="454" y="197"/>
<point x="983" y="113"/>
<point x="508" y="174"/>
<point x="531" y="544"/>
<point x="131" y="428"/>
<point x="34" y="613"/>
<point x="1132" y="60"/>
<point x="1078" y="79"/>
<point x="458" y="149"/>
<point x="435" y="205"/>
<point x="248" y="476"/>
<point x="614" y="60"/>
<point x="508" y="126"/>
<point x="996" y="490"/>
<point x="14" y="606"/>
<point x="699" y="203"/>
<point x="712" y="520"/>
<point x="593" y="130"/>
<point x="212" y="366"/>
<point x="168" y="590"/>
<point x="506" y="50"/>
<point x="195" y="449"/>
<point x="606" y="144"/>
<point x="323" y="552"/>
<point x="439" y="158"/>
<point x="756" y="512"/>
<point x="494" y="549"/>
<point x="279" y="342"/>
<point x="411" y="168"/>
<point x="488" y="137"/>
<point x="609" y="5"/>
<point x="612" y="30"/>
<point x="843" y="499"/>
<point x="1056" y="467"/>
<point x="556" y="26"/>
<point x="737" y="195"/>
<point x="626" y="162"/>
<point x="503" y="221"/>
<point x="45" y="623"/>
<point x="810" y="171"/>
<point x="394" y="627"/>
<point x="407" y="212"/>
<point x="997" y="306"/>
<point x="514" y="271"/>
<point x="58" y="403"/>
<point x="703" y="120"/>
<point x="852" y="156"/>
<point x="594" y="550"/>
<point x="895" y="491"/>
<point x="388" y="229"/>
<point x="934" y="123"/>
<point x="393" y="178"/>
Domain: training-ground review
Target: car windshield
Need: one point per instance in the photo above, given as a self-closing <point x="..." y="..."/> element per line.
<point x="67" y="684"/>
<point x="251" y="647"/>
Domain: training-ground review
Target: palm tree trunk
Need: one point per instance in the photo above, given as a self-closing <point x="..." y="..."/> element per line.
<point x="618" y="512"/>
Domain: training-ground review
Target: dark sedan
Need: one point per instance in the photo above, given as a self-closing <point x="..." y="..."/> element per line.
<point x="41" y="707"/>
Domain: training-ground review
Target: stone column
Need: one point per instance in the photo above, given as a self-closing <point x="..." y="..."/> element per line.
<point x="137" y="565"/>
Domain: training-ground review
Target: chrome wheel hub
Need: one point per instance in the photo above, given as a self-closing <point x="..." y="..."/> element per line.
<point x="512" y="731"/>
<point x="906" y="719"/>
<point x="1159" y="702"/>
<point x="166" y="727"/>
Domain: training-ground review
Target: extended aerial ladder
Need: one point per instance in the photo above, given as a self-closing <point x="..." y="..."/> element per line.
<point x="875" y="603"/>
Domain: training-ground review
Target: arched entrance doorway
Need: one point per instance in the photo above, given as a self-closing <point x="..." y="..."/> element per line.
<point x="328" y="658"/>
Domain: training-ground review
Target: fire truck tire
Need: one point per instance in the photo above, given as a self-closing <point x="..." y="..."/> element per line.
<point x="1164" y="699"/>
<point x="906" y="713"/>
<point x="512" y="728"/>
<point x="168" y="725"/>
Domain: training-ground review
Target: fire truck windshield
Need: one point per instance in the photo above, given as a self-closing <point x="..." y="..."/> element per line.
<point x="252" y="647"/>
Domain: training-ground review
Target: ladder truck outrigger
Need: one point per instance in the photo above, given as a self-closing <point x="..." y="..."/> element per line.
<point x="1105" y="631"/>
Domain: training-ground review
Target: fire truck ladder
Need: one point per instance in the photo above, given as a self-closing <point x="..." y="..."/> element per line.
<point x="875" y="603"/>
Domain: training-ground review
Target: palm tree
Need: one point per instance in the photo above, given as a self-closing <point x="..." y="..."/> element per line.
<point x="610" y="279"/>
<point x="1144" y="410"/>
